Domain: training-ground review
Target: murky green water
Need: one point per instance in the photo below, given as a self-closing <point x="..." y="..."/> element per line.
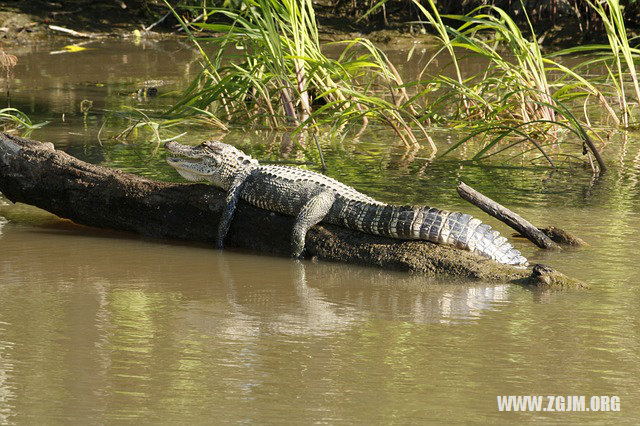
<point x="97" y="326"/>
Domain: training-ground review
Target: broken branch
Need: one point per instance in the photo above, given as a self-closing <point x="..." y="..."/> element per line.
<point x="505" y="215"/>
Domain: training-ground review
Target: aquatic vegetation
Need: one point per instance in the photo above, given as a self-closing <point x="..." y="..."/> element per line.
<point x="268" y="68"/>
<point x="12" y="118"/>
<point x="141" y="123"/>
<point x="618" y="57"/>
<point x="575" y="15"/>
<point x="513" y="87"/>
<point x="512" y="100"/>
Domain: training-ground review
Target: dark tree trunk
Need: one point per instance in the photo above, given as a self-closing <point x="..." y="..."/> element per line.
<point x="35" y="173"/>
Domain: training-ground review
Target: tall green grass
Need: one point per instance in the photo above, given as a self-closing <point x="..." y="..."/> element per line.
<point x="619" y="58"/>
<point x="263" y="65"/>
<point x="267" y="68"/>
<point x="512" y="101"/>
<point x="514" y="64"/>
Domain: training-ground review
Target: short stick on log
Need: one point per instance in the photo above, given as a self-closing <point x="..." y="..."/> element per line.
<point x="505" y="215"/>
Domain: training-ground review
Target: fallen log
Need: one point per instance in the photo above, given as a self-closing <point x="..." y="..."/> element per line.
<point x="35" y="173"/>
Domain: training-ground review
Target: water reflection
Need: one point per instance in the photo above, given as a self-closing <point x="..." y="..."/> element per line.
<point x="3" y="221"/>
<point x="6" y="371"/>
<point x="300" y="297"/>
<point x="120" y="328"/>
<point x="107" y="325"/>
<point x="109" y="74"/>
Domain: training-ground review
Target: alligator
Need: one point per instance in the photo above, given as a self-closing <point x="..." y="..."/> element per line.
<point x="313" y="198"/>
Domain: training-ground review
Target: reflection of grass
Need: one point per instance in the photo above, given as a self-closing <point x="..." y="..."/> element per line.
<point x="7" y="63"/>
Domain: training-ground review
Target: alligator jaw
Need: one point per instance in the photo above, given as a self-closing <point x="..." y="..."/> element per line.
<point x="188" y="161"/>
<point x="184" y="154"/>
<point x="188" y="168"/>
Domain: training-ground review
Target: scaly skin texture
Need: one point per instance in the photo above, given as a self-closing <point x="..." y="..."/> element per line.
<point x="312" y="198"/>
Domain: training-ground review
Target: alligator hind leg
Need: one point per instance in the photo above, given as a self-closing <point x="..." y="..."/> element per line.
<point x="311" y="214"/>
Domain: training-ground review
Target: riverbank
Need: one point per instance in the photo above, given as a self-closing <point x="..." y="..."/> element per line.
<point x="29" y="21"/>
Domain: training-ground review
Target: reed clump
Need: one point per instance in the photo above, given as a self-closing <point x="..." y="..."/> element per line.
<point x="267" y="68"/>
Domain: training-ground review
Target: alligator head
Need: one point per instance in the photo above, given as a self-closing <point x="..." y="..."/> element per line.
<point x="211" y="161"/>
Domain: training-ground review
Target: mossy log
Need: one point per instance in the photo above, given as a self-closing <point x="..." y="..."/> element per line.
<point x="35" y="173"/>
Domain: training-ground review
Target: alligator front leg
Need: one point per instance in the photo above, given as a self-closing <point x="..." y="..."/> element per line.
<point x="311" y="214"/>
<point x="231" y="201"/>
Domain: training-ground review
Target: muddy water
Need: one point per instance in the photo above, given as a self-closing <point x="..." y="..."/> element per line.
<point x="99" y="326"/>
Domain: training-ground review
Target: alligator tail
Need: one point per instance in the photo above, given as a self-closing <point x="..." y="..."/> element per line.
<point x="435" y="225"/>
<point x="466" y="232"/>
